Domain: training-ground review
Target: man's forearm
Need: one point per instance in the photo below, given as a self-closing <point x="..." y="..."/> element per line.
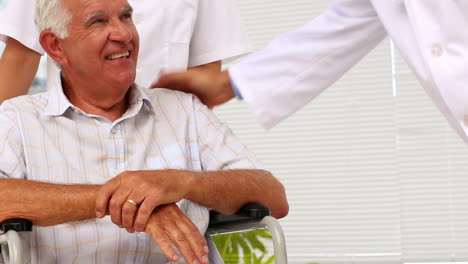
<point x="224" y="191"/>
<point x="227" y="191"/>
<point x="46" y="204"/>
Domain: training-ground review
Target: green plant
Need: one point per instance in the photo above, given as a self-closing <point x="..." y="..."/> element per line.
<point x="248" y="246"/>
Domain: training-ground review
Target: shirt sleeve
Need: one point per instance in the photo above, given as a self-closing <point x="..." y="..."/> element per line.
<point x="298" y="65"/>
<point x="218" y="33"/>
<point x="220" y="149"/>
<point x="12" y="162"/>
<point x="17" y="21"/>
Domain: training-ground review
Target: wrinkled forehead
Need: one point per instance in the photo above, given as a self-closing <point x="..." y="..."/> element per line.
<point x="82" y="9"/>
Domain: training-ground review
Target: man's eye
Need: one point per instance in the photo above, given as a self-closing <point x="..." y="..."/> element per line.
<point x="98" y="21"/>
<point x="127" y="16"/>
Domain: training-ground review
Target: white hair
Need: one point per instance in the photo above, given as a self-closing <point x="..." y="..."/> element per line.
<point x="51" y="14"/>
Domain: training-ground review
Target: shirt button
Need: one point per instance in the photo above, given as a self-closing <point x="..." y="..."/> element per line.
<point x="117" y="172"/>
<point x="76" y="111"/>
<point x="436" y="50"/>
<point x="113" y="131"/>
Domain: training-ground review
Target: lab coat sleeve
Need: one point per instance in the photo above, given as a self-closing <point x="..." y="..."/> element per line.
<point x="295" y="67"/>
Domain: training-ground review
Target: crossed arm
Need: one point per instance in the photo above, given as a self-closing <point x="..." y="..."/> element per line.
<point x="156" y="192"/>
<point x="223" y="191"/>
<point x="51" y="204"/>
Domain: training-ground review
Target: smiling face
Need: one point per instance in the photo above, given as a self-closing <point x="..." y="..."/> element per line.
<point x="100" y="53"/>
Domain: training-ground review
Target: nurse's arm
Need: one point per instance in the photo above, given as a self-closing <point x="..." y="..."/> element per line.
<point x="18" y="67"/>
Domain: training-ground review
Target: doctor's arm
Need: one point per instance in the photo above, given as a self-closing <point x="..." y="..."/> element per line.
<point x="213" y="88"/>
<point x="296" y="66"/>
<point x="212" y="67"/>
<point x="203" y="81"/>
<point x="18" y="67"/>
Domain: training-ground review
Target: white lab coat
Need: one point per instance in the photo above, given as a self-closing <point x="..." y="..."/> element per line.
<point x="431" y="35"/>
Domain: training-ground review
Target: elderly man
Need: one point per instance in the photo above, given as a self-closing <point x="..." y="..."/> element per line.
<point x="98" y="145"/>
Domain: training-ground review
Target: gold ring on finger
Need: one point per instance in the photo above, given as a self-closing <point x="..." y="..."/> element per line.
<point x="130" y="201"/>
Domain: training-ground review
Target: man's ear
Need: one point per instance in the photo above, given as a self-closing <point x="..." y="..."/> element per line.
<point x="52" y="46"/>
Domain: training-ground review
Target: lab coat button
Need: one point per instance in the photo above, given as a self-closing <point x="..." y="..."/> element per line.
<point x="436" y="50"/>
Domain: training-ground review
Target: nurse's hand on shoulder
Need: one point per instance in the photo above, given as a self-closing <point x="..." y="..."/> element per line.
<point x="213" y="88"/>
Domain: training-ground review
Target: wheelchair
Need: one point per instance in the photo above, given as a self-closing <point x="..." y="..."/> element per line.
<point x="250" y="217"/>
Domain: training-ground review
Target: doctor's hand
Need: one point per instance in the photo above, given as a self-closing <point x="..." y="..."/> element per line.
<point x="168" y="226"/>
<point x="131" y="197"/>
<point x="213" y="88"/>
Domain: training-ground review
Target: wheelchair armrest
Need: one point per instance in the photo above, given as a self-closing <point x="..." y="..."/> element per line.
<point x="250" y="212"/>
<point x="249" y="217"/>
<point x="10" y="240"/>
<point x="17" y="224"/>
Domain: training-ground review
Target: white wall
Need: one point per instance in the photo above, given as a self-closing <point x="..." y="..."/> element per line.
<point x="371" y="177"/>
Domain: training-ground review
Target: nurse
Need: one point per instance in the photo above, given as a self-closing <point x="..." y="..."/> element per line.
<point x="297" y="66"/>
<point x="174" y="35"/>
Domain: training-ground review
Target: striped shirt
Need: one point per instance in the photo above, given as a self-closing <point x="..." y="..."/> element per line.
<point x="45" y="138"/>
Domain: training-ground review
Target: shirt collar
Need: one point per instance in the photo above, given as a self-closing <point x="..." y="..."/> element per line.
<point x="139" y="98"/>
<point x="138" y="102"/>
<point x="58" y="103"/>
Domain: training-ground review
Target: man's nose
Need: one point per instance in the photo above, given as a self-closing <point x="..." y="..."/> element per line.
<point x="120" y="31"/>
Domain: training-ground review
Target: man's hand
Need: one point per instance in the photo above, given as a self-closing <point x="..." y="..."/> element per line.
<point x="213" y="88"/>
<point x="169" y="225"/>
<point x="148" y="189"/>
